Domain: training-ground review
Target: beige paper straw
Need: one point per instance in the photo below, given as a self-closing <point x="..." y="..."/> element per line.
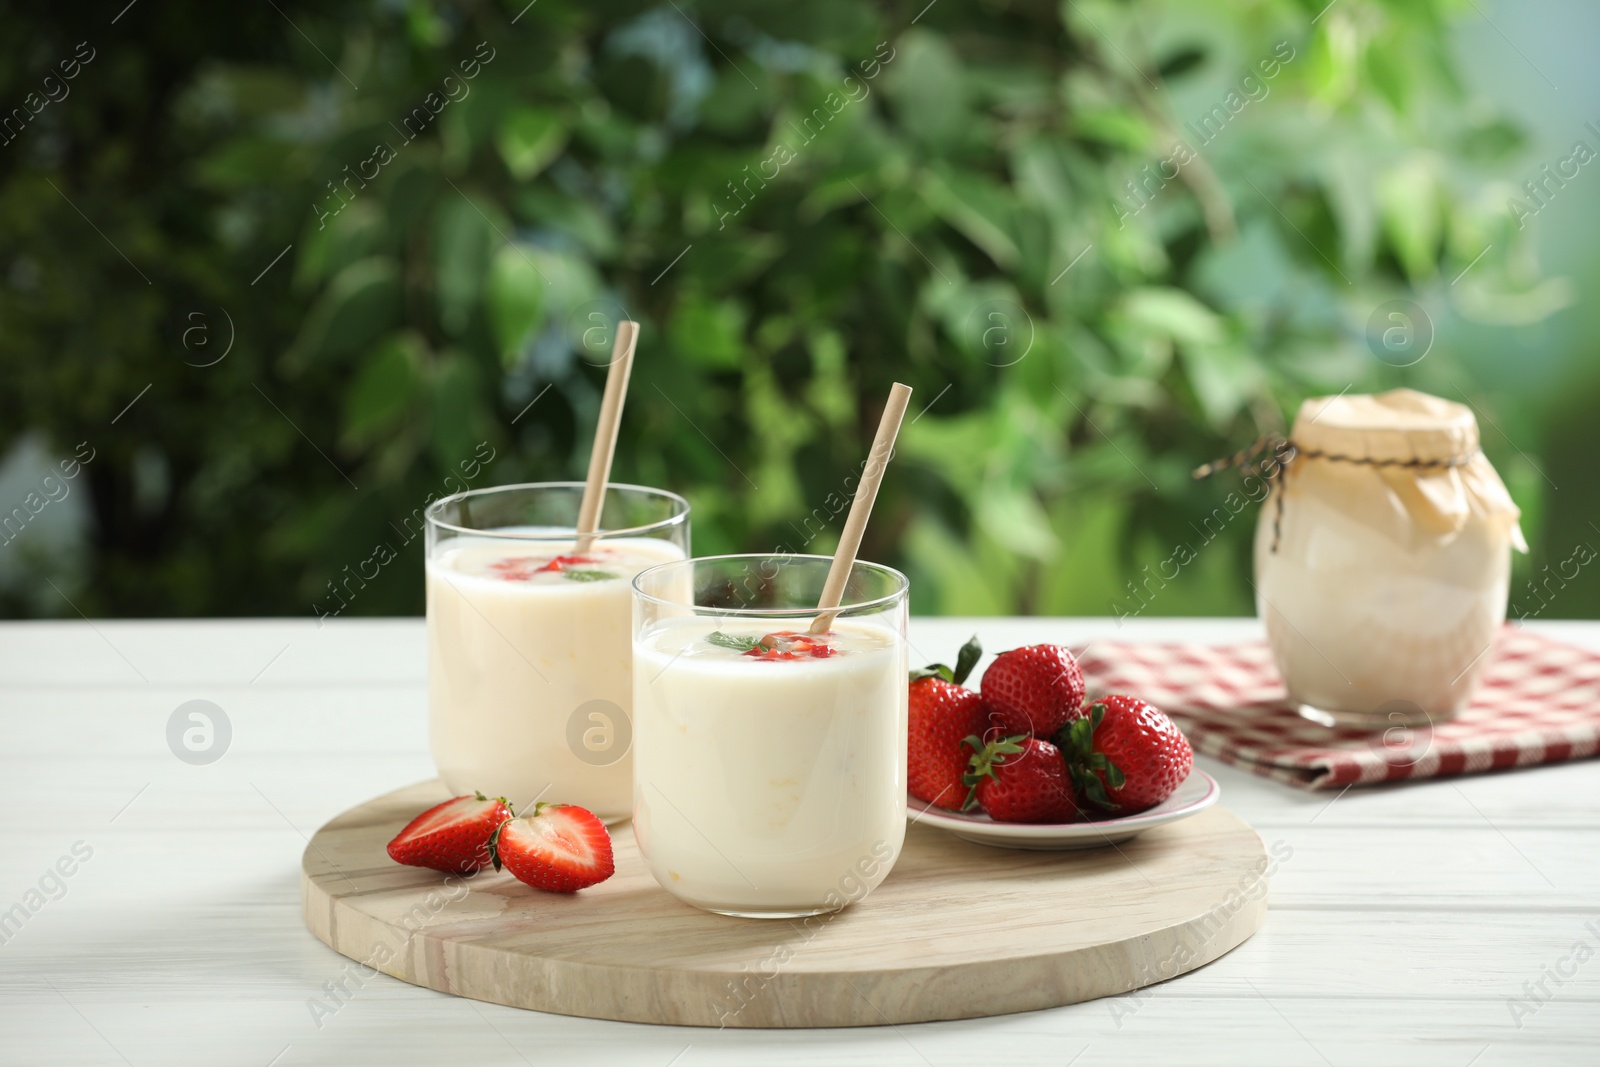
<point x="861" y="508"/>
<point x="605" y="434"/>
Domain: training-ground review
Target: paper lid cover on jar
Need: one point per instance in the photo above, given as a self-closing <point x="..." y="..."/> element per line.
<point x="1423" y="449"/>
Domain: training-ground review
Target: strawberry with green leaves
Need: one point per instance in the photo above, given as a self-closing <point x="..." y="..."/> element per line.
<point x="1124" y="755"/>
<point x="1021" y="779"/>
<point x="941" y="715"/>
<point x="1033" y="690"/>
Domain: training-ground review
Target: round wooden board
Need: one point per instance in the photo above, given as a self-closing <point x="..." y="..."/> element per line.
<point x="958" y="930"/>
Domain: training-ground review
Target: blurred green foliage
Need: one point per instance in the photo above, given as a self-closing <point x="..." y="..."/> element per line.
<point x="801" y="204"/>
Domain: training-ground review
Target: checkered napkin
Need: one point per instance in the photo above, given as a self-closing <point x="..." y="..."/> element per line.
<point x="1539" y="703"/>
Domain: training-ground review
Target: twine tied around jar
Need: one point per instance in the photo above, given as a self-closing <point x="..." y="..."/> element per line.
<point x="1285" y="451"/>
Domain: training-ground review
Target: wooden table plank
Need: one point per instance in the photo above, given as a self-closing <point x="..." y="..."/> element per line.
<point x="1400" y="929"/>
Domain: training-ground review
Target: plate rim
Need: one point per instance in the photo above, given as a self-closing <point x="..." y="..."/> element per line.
<point x="957" y="823"/>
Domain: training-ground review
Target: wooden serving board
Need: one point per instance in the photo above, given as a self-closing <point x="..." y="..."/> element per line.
<point x="958" y="930"/>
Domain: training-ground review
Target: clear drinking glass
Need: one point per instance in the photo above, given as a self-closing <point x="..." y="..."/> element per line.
<point x="769" y="765"/>
<point x="529" y="655"/>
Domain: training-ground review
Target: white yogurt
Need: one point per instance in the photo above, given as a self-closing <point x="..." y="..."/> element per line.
<point x="530" y="668"/>
<point x="769" y="787"/>
<point x="1383" y="560"/>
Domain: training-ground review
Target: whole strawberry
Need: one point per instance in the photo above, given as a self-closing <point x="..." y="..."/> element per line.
<point x="1033" y="690"/>
<point x="1125" y="755"/>
<point x="453" y="836"/>
<point x="1021" y="779"/>
<point x="560" y="847"/>
<point x="941" y="715"/>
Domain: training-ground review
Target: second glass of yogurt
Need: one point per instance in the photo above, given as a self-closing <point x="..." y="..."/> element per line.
<point x="530" y="684"/>
<point x="769" y="762"/>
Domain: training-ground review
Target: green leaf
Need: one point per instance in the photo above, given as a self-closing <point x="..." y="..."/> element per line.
<point x="355" y="233"/>
<point x="1119" y="127"/>
<point x="1390" y="70"/>
<point x="733" y="641"/>
<point x="1410" y="201"/>
<point x="1089" y="769"/>
<point x="978" y="209"/>
<point x="514" y="299"/>
<point x="385" y="390"/>
<point x="1493" y="141"/>
<point x="529" y="140"/>
<point x="587" y="576"/>
<point x="1015" y="519"/>
<point x="1224" y="377"/>
<point x="1349" y="183"/>
<point x="457" y="409"/>
<point x="244" y="163"/>
<point x="987" y="756"/>
<point x="359" y="305"/>
<point x="964" y="581"/>
<point x="928" y="86"/>
<point x="709" y="333"/>
<point x="463" y="237"/>
<point x="967" y="658"/>
<point x="1173" y="313"/>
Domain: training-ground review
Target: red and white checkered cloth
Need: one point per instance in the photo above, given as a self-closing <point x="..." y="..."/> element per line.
<point x="1539" y="703"/>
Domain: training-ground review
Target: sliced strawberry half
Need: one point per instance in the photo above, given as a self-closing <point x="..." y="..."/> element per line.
<point x="453" y="836"/>
<point x="560" y="847"/>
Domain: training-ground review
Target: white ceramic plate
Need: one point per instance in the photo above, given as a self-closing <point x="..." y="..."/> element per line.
<point x="1197" y="793"/>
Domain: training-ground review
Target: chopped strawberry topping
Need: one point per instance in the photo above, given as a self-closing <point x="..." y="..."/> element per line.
<point x="788" y="645"/>
<point x="561" y="563"/>
<point x="522" y="568"/>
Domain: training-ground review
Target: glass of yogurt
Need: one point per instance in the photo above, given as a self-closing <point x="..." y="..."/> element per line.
<point x="769" y="762"/>
<point x="530" y="688"/>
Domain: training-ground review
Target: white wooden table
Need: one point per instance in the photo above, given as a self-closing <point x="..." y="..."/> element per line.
<point x="1400" y="928"/>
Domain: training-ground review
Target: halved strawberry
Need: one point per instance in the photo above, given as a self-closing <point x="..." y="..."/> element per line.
<point x="453" y="836"/>
<point x="560" y="847"/>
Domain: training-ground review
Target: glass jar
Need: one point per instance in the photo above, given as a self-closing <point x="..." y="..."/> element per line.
<point x="530" y="683"/>
<point x="769" y="763"/>
<point x="1383" y="559"/>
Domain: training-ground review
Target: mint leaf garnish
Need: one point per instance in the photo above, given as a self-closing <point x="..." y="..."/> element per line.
<point x="587" y="576"/>
<point x="738" y="644"/>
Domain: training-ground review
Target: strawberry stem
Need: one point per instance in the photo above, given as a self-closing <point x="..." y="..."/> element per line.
<point x="1090" y="770"/>
<point x="966" y="659"/>
<point x="478" y="794"/>
<point x="985" y="758"/>
<point x="494" y="844"/>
